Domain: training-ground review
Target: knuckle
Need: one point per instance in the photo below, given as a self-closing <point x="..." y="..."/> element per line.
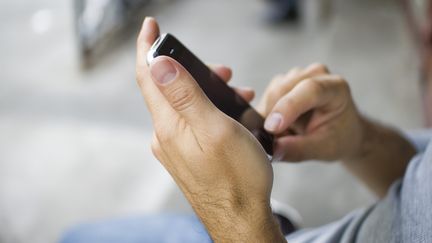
<point x="319" y="67"/>
<point x="289" y="105"/>
<point x="275" y="93"/>
<point x="338" y="78"/>
<point x="315" y="86"/>
<point x="343" y="85"/>
<point x="181" y="98"/>
<point x="276" y="80"/>
<point x="277" y="77"/>
<point x="272" y="92"/>
<point x="274" y="89"/>
<point x="293" y="70"/>
<point x="223" y="133"/>
<point x="156" y="148"/>
<point x="224" y="136"/>
<point x="163" y="135"/>
<point x="290" y="102"/>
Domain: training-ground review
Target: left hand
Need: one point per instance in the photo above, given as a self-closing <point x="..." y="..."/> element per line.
<point x="220" y="167"/>
<point x="313" y="116"/>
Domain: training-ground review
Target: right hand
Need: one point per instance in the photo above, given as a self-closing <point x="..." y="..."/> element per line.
<point x="217" y="163"/>
<point x="312" y="115"/>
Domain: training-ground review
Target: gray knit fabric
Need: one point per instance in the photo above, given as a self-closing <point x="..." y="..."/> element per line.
<point x="404" y="215"/>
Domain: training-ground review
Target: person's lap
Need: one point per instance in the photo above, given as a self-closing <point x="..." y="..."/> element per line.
<point x="165" y="228"/>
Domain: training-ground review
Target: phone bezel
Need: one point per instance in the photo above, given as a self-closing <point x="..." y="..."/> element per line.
<point x="153" y="49"/>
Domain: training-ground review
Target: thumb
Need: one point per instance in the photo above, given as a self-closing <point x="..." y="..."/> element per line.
<point x="181" y="91"/>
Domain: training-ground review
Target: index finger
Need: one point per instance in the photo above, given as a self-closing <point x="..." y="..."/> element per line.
<point x="309" y="94"/>
<point x="285" y="83"/>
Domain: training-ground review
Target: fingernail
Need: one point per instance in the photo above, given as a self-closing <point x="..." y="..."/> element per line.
<point x="163" y="71"/>
<point x="273" y="122"/>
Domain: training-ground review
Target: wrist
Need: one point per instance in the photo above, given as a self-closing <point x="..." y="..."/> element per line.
<point x="366" y="134"/>
<point x="248" y="223"/>
<point x="381" y="158"/>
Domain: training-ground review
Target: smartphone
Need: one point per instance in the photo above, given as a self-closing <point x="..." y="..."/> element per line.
<point x="222" y="96"/>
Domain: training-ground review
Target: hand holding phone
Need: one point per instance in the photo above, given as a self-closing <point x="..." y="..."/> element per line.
<point x="222" y="96"/>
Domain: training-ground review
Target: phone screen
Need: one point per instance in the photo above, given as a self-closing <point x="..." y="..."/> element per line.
<point x="222" y="96"/>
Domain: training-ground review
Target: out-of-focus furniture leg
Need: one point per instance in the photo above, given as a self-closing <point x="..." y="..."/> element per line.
<point x="419" y="16"/>
<point x="428" y="79"/>
<point x="427" y="89"/>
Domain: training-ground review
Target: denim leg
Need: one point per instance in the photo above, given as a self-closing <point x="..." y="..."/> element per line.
<point x="165" y="228"/>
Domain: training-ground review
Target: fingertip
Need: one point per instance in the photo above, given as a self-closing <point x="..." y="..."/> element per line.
<point x="250" y="93"/>
<point x="246" y="93"/>
<point x="292" y="72"/>
<point x="273" y="122"/>
<point x="150" y="22"/>
<point x="318" y="67"/>
<point x="224" y="72"/>
<point x="149" y="32"/>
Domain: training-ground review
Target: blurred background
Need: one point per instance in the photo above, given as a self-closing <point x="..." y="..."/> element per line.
<point x="75" y="133"/>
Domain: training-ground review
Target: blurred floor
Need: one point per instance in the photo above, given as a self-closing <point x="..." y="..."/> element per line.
<point x="74" y="145"/>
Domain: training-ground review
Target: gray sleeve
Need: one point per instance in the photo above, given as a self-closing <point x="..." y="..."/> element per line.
<point x="419" y="138"/>
<point x="404" y="215"/>
<point x="343" y="230"/>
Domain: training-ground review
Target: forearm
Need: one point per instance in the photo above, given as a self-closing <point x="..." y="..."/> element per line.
<point x="382" y="158"/>
<point x="240" y="223"/>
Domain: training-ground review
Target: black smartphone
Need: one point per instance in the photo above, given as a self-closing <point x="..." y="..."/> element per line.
<point x="222" y="96"/>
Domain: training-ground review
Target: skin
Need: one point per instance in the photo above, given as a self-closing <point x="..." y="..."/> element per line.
<point x="221" y="168"/>
<point x="317" y="106"/>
